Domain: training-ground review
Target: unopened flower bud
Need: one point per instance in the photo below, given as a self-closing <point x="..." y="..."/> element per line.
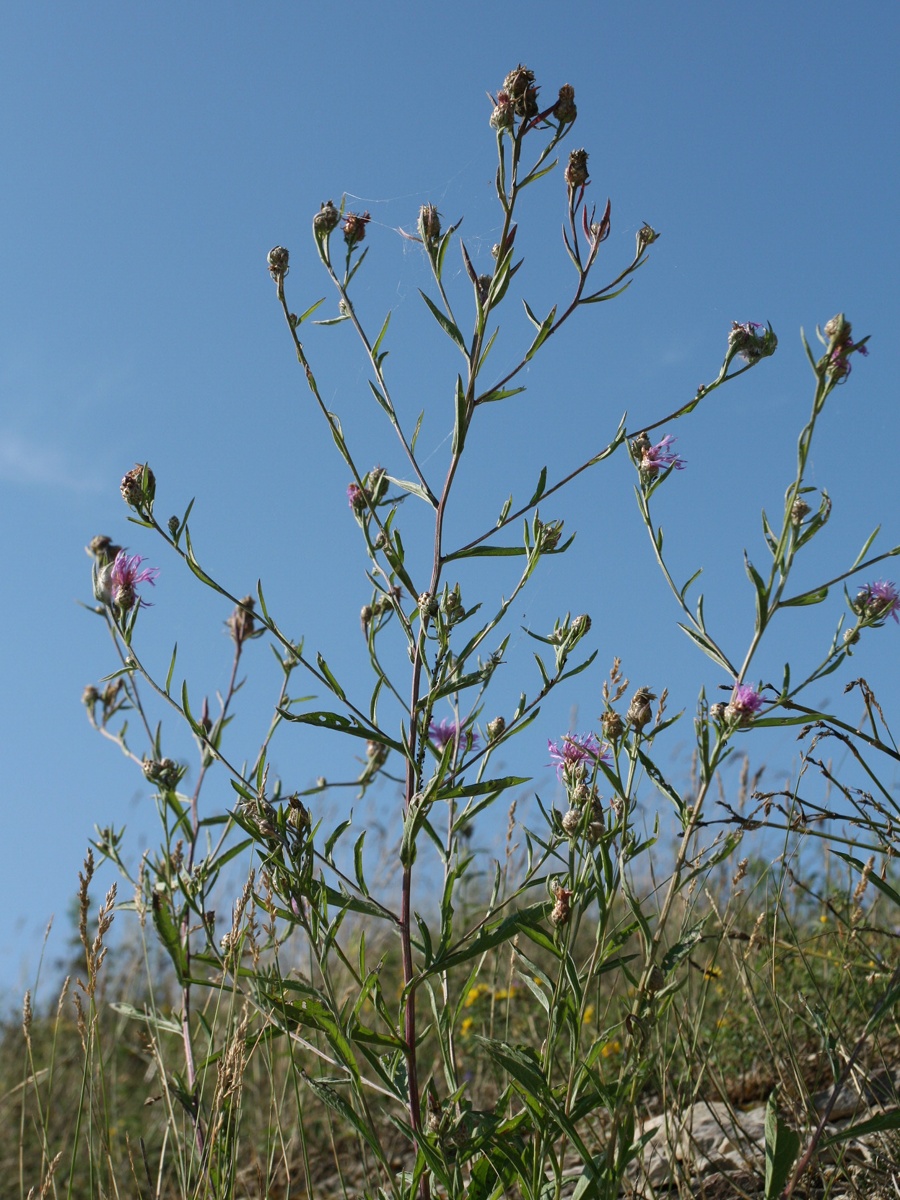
<point x="326" y="219"/>
<point x="838" y="329"/>
<point x="298" y="814"/>
<point x="102" y="549"/>
<point x="851" y="637"/>
<point x="428" y="604"/>
<point x="612" y="725"/>
<point x="646" y="236"/>
<point x="576" y="174"/>
<point x="549" y="535"/>
<point x="799" y="509"/>
<point x="138" y="487"/>
<point x="365" y="617"/>
<point x="717" y="712"/>
<point x="483" y="287"/>
<point x="564" y="109"/>
<point x="173" y="525"/>
<point x="570" y="822"/>
<point x="504" y="114"/>
<point x="639" y="710"/>
<point x="90" y="696"/>
<point x="429" y="224"/>
<point x="581" y="625"/>
<point x="124" y="597"/>
<point x="376" y="484"/>
<point x="240" y="623"/>
<point x="496" y="728"/>
<point x="278" y="258"/>
<point x="163" y="772"/>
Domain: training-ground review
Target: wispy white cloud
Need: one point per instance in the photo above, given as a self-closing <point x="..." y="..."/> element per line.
<point x="23" y="461"/>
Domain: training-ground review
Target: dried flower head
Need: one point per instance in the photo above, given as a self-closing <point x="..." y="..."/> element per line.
<point x="562" y="909"/>
<point x="163" y="772"/>
<point x="752" y="341"/>
<point x="640" y="710"/>
<point x="355" y="228"/>
<point x="576" y="174"/>
<point x="520" y="87"/>
<point x="564" y="109"/>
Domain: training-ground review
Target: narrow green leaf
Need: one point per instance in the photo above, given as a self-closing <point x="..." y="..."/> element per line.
<point x="309" y="312"/>
<point x="459" y="423"/>
<point x="531" y="317"/>
<point x="171" y="669"/>
<point x="342" y="724"/>
<point x="482" y="787"/>
<point x="414" y="489"/>
<point x="498" y="394"/>
<point x="332" y="682"/>
<point x="541" y="485"/>
<point x="445" y="323"/>
<point x="332" y="321"/>
<point x="380" y="338"/>
<point x="782" y="1148"/>
<point x="599" y="297"/>
<point x="485" y="552"/>
<point x="816" y="596"/>
<point x="542" y="334"/>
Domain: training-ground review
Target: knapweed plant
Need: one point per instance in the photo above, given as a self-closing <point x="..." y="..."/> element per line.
<point x="377" y="994"/>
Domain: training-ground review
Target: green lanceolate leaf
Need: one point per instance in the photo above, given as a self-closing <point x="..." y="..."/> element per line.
<point x="341" y="724"/>
<point x="445" y="323"/>
<point x="782" y="1148"/>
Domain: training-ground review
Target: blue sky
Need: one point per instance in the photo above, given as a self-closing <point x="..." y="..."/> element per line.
<point x="153" y="154"/>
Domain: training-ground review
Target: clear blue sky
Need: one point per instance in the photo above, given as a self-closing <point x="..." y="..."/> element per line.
<point x="152" y="154"/>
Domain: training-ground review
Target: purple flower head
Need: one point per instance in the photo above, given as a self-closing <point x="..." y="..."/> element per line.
<point x="116" y="582"/>
<point x="744" y="704"/>
<point x="576" y="752"/>
<point x="356" y="497"/>
<point x="441" y="733"/>
<point x="657" y="457"/>
<point x="879" y="599"/>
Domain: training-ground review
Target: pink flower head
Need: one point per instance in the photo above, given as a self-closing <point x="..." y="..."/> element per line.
<point x="356" y="497"/>
<point x="657" y="457"/>
<point x="744" y="704"/>
<point x="576" y="753"/>
<point x="117" y="581"/>
<point x="445" y="731"/>
<point x="880" y="599"/>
